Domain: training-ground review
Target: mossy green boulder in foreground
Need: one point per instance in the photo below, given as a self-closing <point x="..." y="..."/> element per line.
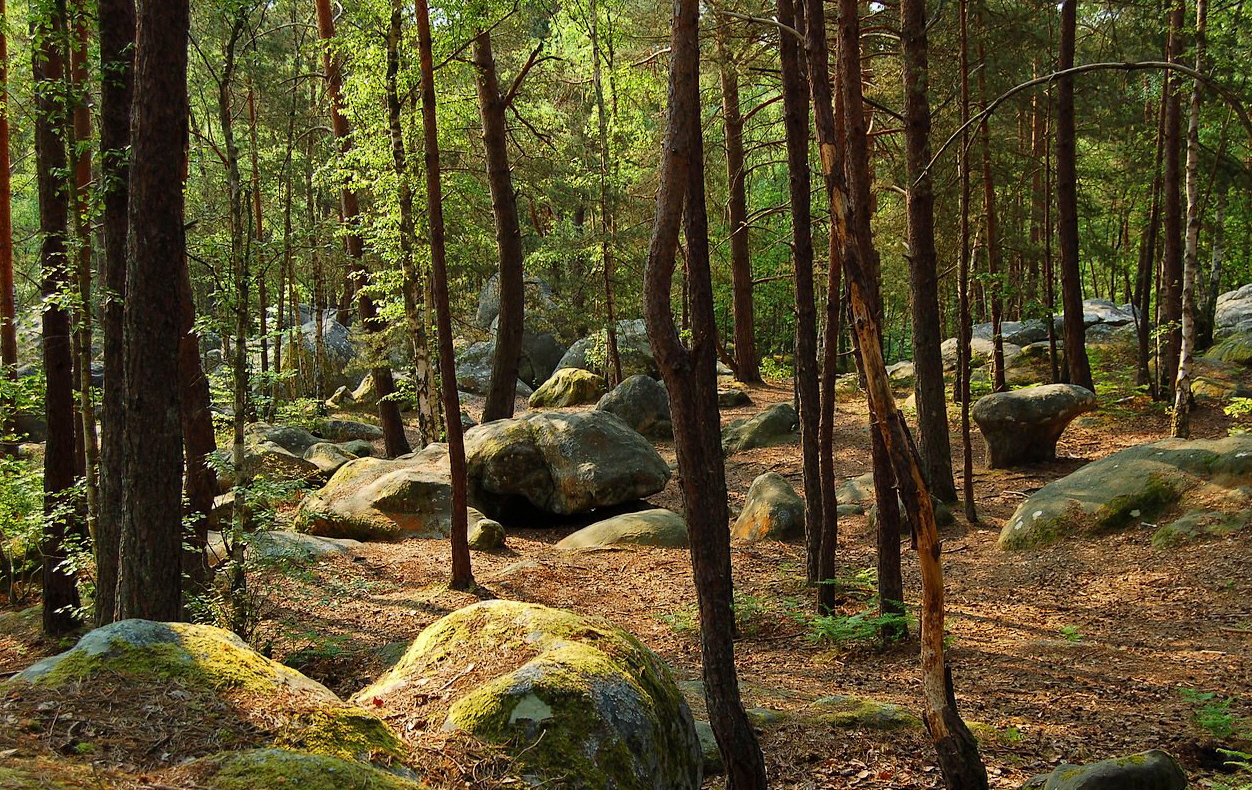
<point x="195" y="689"/>
<point x="280" y="769"/>
<point x="580" y="702"/>
<point x="1150" y="770"/>
<point x="1172" y="478"/>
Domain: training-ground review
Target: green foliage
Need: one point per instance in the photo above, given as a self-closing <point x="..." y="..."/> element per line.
<point x="1071" y="633"/>
<point x="684" y="621"/>
<point x="1211" y="712"/>
<point x="865" y="626"/>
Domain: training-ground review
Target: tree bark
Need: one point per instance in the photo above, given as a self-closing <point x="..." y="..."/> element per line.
<point x="8" y="309"/>
<point x="613" y="367"/>
<point x="961" y="387"/>
<point x="60" y="595"/>
<point x="747" y="366"/>
<point x="957" y="749"/>
<point x="502" y="392"/>
<point x="199" y="438"/>
<point x="691" y="378"/>
<point x="991" y="222"/>
<point x="384" y="387"/>
<point x="1147" y="254"/>
<point x="1180" y="424"/>
<point x="1067" y="206"/>
<point x="117" y="63"/>
<point x="1170" y="293"/>
<point x="1209" y="312"/>
<point x="149" y="579"/>
<point x="932" y="415"/>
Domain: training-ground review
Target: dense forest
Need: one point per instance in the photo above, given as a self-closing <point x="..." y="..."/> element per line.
<point x="609" y="395"/>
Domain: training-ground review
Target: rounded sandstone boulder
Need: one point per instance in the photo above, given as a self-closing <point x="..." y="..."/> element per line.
<point x="1022" y="426"/>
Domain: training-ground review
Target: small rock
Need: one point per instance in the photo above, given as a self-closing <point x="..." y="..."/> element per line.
<point x="485" y="534"/>
<point x="568" y="387"/>
<point x="772" y="511"/>
<point x="772" y="426"/>
<point x="657" y="527"/>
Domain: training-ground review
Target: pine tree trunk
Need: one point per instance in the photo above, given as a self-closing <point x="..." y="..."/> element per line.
<point x="149" y="579"/>
<point x="1147" y="254"/>
<point x="932" y="414"/>
<point x="991" y="222"/>
<point x="691" y="378"/>
<point x="1209" y="311"/>
<point x="1170" y="292"/>
<point x="961" y="386"/>
<point x="462" y="573"/>
<point x="502" y="392"/>
<point x="1180" y="426"/>
<point x="8" y="310"/>
<point x="199" y="439"/>
<point x="747" y="367"/>
<point x="60" y="595"/>
<point x="1067" y="207"/>
<point x="613" y="366"/>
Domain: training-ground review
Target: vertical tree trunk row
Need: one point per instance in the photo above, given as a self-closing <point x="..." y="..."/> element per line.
<point x="1170" y="289"/>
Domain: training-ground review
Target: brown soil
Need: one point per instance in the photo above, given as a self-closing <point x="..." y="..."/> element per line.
<point x="1071" y="653"/>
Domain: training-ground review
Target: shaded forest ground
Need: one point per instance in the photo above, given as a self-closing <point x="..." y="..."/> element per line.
<point x="1076" y="652"/>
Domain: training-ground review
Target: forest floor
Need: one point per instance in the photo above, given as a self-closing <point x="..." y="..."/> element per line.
<point x="1080" y="651"/>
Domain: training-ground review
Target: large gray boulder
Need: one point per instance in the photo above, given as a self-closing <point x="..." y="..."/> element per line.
<point x="576" y="701"/>
<point x="328" y="456"/>
<point x="641" y="402"/>
<point x="775" y="425"/>
<point x="1017" y="333"/>
<point x="347" y="430"/>
<point x="473" y="370"/>
<point x="981" y="350"/>
<point x="539" y="299"/>
<point x="1150" y="770"/>
<point x="338" y="355"/>
<point x="263" y="459"/>
<point x="1022" y="426"/>
<point x="1135" y="486"/>
<point x="1234" y="312"/>
<point x="657" y="527"/>
<point x="772" y="511"/>
<point x="291" y="438"/>
<point x="561" y="462"/>
<point x="633" y="348"/>
<point x="1106" y="311"/>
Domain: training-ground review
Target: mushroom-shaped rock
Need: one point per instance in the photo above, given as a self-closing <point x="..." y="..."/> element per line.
<point x="560" y="462"/>
<point x="1150" y="770"/>
<point x="568" y="387"/>
<point x="772" y="511"/>
<point x="578" y="702"/>
<point x="775" y="425"/>
<point x="657" y="527"/>
<point x="642" y="403"/>
<point x="193" y="678"/>
<point x="1022" y="426"/>
<point x="1135" y="485"/>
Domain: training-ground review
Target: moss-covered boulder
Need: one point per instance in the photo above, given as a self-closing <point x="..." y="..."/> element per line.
<point x="560" y="462"/>
<point x="1133" y="486"/>
<point x="291" y="438"/>
<point x="346" y="430"/>
<point x="485" y="534"/>
<point x="641" y="402"/>
<point x="775" y="425"/>
<point x="851" y="712"/>
<point x="732" y="398"/>
<point x="49" y="773"/>
<point x="657" y="527"/>
<point x="772" y="511"/>
<point x="580" y="703"/>
<point x="1234" y="349"/>
<point x="264" y="459"/>
<point x="1150" y="770"/>
<point x="1195" y="525"/>
<point x="194" y="689"/>
<point x="280" y="769"/>
<point x="568" y="387"/>
<point x="328" y="457"/>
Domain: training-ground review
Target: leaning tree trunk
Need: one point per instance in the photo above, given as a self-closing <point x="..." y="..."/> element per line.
<point x="747" y="367"/>
<point x="1067" y="206"/>
<point x="691" y="378"/>
<point x="149" y="580"/>
<point x="117" y="36"/>
<point x="60" y="595"/>
<point x="462" y="573"/>
<point x="502" y="392"/>
<point x="932" y="414"/>
<point x="959" y="760"/>
<point x="1170" y="291"/>
<point x="384" y="386"/>
<point x="1180" y="425"/>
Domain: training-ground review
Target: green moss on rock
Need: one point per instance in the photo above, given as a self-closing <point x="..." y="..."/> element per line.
<point x="858" y="713"/>
<point x="279" y="769"/>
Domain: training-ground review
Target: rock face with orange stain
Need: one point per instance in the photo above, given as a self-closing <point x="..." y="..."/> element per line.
<point x="773" y="511"/>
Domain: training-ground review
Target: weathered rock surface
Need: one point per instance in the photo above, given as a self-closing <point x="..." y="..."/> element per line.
<point x="264" y="459"/>
<point x="1022" y="426"/>
<point x="1134" y="486"/>
<point x="1234" y="312"/>
<point x="560" y="462"/>
<point x="981" y="351"/>
<point x="733" y="397"/>
<point x="280" y="545"/>
<point x="473" y="370"/>
<point x="568" y="387"/>
<point x="485" y="534"/>
<point x="772" y="511"/>
<point x="282" y="769"/>
<point x="579" y="702"/>
<point x="291" y="438"/>
<point x="1234" y="349"/>
<point x="658" y="527"/>
<point x="328" y="457"/>
<point x="642" y="403"/>
<point x="901" y="373"/>
<point x="633" y="348"/>
<point x="1150" y="770"/>
<point x="539" y="299"/>
<point x="347" y="430"/>
<point x="775" y="425"/>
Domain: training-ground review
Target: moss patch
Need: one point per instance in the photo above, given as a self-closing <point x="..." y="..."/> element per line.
<point x="279" y="769"/>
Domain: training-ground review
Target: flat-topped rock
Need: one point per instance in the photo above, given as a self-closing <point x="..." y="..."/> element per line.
<point x="1022" y="426"/>
<point x="657" y="527"/>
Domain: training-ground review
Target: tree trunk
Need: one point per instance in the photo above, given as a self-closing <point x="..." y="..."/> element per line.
<point x="462" y="573"/>
<point x="932" y="415"/>
<point x="412" y="287"/>
<point x="1180" y="425"/>
<point x="796" y="124"/>
<point x="961" y="386"/>
<point x="388" y="410"/>
<point x="1067" y="206"/>
<point x="1170" y="293"/>
<point x="149" y="579"/>
<point x="502" y="393"/>
<point x="1147" y="254"/>
<point x="691" y="378"/>
<point x="957" y="749"/>
<point x="117" y="36"/>
<point x="613" y="366"/>
<point x="1209" y="311"/>
<point x="199" y="439"/>
<point x="8" y="309"/>
<point x="991" y="222"/>
<point x="60" y="595"/>
<point x="747" y="367"/>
